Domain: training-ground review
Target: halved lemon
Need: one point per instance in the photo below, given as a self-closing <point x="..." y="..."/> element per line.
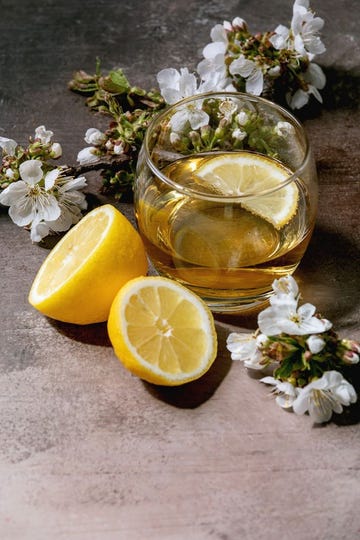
<point x="161" y="331"/>
<point x="244" y="173"/>
<point x="80" y="277"/>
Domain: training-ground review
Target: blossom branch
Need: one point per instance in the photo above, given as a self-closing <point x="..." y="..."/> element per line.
<point x="307" y="358"/>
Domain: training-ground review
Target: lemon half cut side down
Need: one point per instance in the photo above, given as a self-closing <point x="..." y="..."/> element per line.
<point x="80" y="277"/>
<point x="244" y="173"/>
<point x="161" y="331"/>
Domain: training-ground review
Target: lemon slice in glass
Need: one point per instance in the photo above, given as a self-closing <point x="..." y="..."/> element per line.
<point x="246" y="174"/>
<point x="161" y="331"/>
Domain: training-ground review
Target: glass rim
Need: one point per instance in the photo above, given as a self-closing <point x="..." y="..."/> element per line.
<point x="216" y="197"/>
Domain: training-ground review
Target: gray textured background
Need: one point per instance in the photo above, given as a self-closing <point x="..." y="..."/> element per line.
<point x="87" y="451"/>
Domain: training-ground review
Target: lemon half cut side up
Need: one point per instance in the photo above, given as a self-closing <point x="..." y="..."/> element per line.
<point x="80" y="277"/>
<point x="161" y="331"/>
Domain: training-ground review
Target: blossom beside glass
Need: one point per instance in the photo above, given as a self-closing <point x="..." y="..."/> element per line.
<point x="261" y="64"/>
<point x="305" y="355"/>
<point x="42" y="197"/>
<point x="277" y="64"/>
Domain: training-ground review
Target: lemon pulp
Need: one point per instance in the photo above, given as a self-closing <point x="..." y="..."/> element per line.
<point x="161" y="331"/>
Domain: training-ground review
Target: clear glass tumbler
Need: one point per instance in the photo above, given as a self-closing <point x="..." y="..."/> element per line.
<point x="225" y="196"/>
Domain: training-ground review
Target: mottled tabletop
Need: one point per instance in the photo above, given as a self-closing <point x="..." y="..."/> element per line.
<point x="90" y="452"/>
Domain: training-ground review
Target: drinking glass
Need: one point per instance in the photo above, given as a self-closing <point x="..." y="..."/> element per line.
<point x="225" y="196"/>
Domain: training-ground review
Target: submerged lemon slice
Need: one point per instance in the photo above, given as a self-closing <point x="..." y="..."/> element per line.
<point x="80" y="277"/>
<point x="245" y="173"/>
<point x="161" y="331"/>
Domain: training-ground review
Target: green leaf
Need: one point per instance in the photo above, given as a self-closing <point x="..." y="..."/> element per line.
<point x="116" y="82"/>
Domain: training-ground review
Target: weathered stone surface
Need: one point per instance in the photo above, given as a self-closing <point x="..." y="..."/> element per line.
<point x="87" y="451"/>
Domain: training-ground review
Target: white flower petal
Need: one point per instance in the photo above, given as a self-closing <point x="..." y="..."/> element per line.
<point x="86" y="156"/>
<point x="218" y="33"/>
<point x="48" y="209"/>
<point x="179" y="120"/>
<point x="22" y="212"/>
<point x="255" y="83"/>
<point x="297" y="100"/>
<point x="31" y="171"/>
<point x="213" y="49"/>
<point x="315" y="344"/>
<point x="198" y="119"/>
<point x="38" y="231"/>
<point x="168" y="77"/>
<point x="50" y="179"/>
<point x="171" y="95"/>
<point x="43" y="134"/>
<point x="315" y="76"/>
<point x="56" y="150"/>
<point x="71" y="184"/>
<point x="94" y="137"/>
<point x="300" y="405"/>
<point x="13" y="193"/>
<point x="8" y="146"/>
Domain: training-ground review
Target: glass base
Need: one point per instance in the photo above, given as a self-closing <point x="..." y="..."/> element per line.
<point x="238" y="305"/>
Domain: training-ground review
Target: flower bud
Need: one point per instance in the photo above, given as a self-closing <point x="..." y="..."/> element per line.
<point x="242" y="118"/>
<point x="55" y="150"/>
<point x="239" y="134"/>
<point x="195" y="137"/>
<point x="350" y="357"/>
<point x="119" y="148"/>
<point x="95" y="137"/>
<point x="87" y="156"/>
<point x="9" y="173"/>
<point x="351" y="345"/>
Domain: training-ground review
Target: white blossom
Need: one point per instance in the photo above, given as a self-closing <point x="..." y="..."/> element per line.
<point x="119" y="148"/>
<point x="239" y="134"/>
<point x="302" y="36"/>
<point x="284" y="288"/>
<point x="87" y="156"/>
<point x="288" y="318"/>
<point x="94" y="137"/>
<point x="316" y="80"/>
<point x="176" y="85"/>
<point x="228" y="108"/>
<point x="247" y="348"/>
<point x="315" y="344"/>
<point x="219" y="42"/>
<point x="55" y="150"/>
<point x="251" y="72"/>
<point x="325" y="395"/>
<point x="29" y="201"/>
<point x="9" y="173"/>
<point x="242" y="118"/>
<point x="71" y="202"/>
<point x="44" y="203"/>
<point x="43" y="134"/>
<point x="286" y="393"/>
<point x="283" y="128"/>
<point x="305" y="28"/>
<point x="8" y="146"/>
<point x="280" y="39"/>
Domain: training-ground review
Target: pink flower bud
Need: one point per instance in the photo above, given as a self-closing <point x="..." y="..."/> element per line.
<point x="350" y="357"/>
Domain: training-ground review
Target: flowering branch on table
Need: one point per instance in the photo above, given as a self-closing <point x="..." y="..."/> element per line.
<point x="42" y="196"/>
<point x="131" y="109"/>
<point x="275" y="64"/>
<point x="307" y="357"/>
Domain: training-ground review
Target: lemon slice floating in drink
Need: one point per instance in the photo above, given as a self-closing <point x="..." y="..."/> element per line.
<point x="161" y="331"/>
<point x="245" y="173"/>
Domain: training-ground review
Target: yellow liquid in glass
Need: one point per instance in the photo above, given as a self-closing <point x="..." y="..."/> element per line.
<point x="218" y="249"/>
